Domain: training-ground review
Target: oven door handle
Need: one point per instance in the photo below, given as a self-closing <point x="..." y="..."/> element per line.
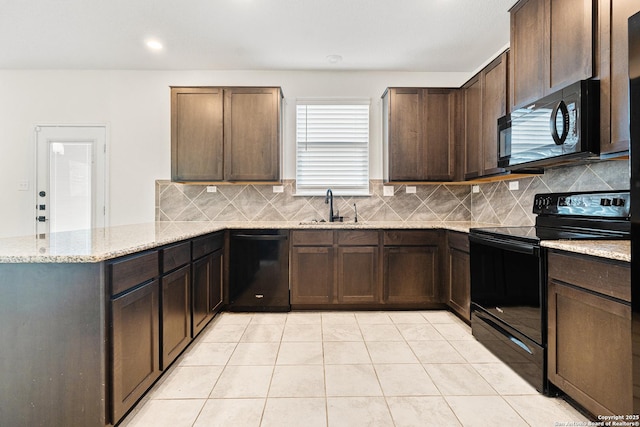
<point x="508" y="245"/>
<point x="506" y="333"/>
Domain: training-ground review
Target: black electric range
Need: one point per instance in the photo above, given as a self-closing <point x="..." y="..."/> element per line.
<point x="508" y="273"/>
<point x="592" y="215"/>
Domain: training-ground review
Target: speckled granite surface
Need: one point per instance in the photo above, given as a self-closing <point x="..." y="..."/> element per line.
<point x="613" y="249"/>
<point x="105" y="243"/>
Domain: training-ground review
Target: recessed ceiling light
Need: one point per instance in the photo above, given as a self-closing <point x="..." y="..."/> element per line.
<point x="154" y="45"/>
<point x="334" y="59"/>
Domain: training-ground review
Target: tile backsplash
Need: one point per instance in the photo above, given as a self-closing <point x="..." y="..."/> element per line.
<point x="494" y="203"/>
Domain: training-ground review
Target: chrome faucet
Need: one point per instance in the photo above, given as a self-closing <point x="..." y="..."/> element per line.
<point x="329" y="200"/>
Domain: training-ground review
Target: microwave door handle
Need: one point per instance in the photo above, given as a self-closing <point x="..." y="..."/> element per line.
<point x="559" y="139"/>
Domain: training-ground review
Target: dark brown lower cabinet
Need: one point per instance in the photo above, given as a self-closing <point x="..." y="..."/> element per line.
<point x="410" y="274"/>
<point x="358" y="274"/>
<point x="458" y="280"/>
<point x="334" y="268"/>
<point x="412" y="267"/>
<point x="590" y="332"/>
<point x="176" y="314"/>
<point x="312" y="275"/>
<point x="207" y="289"/>
<point x="135" y="338"/>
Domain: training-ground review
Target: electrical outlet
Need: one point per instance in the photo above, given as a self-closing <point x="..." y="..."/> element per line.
<point x="23" y="186"/>
<point x="212" y="189"/>
<point x="514" y="185"/>
<point x="475" y="189"/>
<point x="411" y="189"/>
<point x="387" y="190"/>
<point x="278" y="188"/>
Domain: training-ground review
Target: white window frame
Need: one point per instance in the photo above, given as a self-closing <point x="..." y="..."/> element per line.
<point x="355" y="156"/>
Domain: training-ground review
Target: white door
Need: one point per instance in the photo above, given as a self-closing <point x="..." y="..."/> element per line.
<point x="70" y="181"/>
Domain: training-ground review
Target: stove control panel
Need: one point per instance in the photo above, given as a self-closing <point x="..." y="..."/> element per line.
<point x="609" y="204"/>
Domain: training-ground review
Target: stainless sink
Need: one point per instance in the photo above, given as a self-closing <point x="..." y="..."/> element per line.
<point x="332" y="224"/>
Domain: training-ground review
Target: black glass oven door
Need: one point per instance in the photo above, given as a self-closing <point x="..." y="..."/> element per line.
<point x="506" y="283"/>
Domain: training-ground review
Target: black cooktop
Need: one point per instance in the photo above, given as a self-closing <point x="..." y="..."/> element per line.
<point x="536" y="234"/>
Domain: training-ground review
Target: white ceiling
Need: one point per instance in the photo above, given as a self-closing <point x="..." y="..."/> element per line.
<point x="389" y="35"/>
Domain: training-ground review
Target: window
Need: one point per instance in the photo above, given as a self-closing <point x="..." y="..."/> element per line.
<point x="332" y="139"/>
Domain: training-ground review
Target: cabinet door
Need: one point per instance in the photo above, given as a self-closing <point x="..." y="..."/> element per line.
<point x="590" y="349"/>
<point x="473" y="127"/>
<point x="135" y="353"/>
<point x="405" y="134"/>
<point x="494" y="106"/>
<point x="196" y="134"/>
<point x="439" y="132"/>
<point x="176" y="314"/>
<point x="614" y="74"/>
<point x="206" y="275"/>
<point x="528" y="50"/>
<point x="411" y="274"/>
<point x="215" y="285"/>
<point x="459" y="282"/>
<point x="252" y="134"/>
<point x="358" y="274"/>
<point x="312" y="275"/>
<point x="570" y="42"/>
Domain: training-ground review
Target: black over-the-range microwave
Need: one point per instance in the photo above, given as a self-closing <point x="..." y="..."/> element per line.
<point x="559" y="128"/>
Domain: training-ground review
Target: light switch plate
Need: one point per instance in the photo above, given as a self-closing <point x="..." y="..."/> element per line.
<point x="387" y="190"/>
<point x="278" y="188"/>
<point x="411" y="189"/>
<point x="212" y="189"/>
<point x="514" y="185"/>
<point x="475" y="189"/>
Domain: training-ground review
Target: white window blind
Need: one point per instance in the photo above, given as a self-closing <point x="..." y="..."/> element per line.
<point x="332" y="138"/>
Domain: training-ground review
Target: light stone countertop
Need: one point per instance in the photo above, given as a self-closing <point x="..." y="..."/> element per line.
<point x="613" y="249"/>
<point x="100" y="244"/>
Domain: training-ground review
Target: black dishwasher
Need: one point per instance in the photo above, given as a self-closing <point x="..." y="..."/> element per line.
<point x="259" y="270"/>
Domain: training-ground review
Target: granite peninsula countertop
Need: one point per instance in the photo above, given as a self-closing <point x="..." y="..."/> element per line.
<point x="100" y="244"/>
<point x="614" y="249"/>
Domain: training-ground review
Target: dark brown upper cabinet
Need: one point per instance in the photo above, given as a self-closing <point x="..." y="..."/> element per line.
<point x="614" y="74"/>
<point x="552" y="46"/>
<point x="196" y="134"/>
<point x="419" y="133"/>
<point x="225" y="134"/>
<point x="485" y="101"/>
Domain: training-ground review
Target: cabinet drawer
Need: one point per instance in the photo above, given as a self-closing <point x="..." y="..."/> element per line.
<point x="591" y="273"/>
<point x="207" y="244"/>
<point x="357" y="238"/>
<point x="411" y="238"/>
<point x="312" y="238"/>
<point x="175" y="256"/>
<point x="459" y="241"/>
<point x="132" y="271"/>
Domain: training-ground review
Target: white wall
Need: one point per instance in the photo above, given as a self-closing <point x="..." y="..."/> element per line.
<point x="135" y="106"/>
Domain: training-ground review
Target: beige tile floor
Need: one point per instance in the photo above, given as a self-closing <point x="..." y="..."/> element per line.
<point x="417" y="368"/>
